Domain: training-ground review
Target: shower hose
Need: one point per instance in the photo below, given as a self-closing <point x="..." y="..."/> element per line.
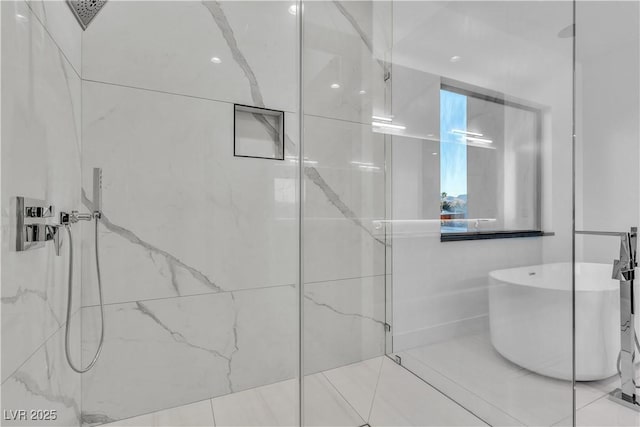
<point x="70" y="301"/>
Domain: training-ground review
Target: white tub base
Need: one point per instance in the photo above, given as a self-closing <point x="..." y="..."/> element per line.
<point x="531" y="322"/>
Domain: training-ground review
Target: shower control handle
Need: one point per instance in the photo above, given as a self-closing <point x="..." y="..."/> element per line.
<point x="34" y="233"/>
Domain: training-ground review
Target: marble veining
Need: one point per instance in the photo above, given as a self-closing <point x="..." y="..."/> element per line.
<point x="235" y="342"/>
<point x="95" y="419"/>
<point x="24" y="293"/>
<point x="34" y="388"/>
<point x="178" y="337"/>
<point x="311" y="172"/>
<point x="234" y="333"/>
<point x="42" y="116"/>
<point x="344" y="322"/>
<point x="343" y="313"/>
<point x="232" y="340"/>
<point x="227" y="32"/>
<point x="171" y="260"/>
<point x="315" y="177"/>
<point x="45" y="381"/>
<point x="356" y="26"/>
<point x="220" y="18"/>
<point x="175" y="263"/>
<point x="179" y="344"/>
<point x="366" y="39"/>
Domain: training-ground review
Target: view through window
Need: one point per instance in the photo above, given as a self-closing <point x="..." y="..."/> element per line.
<point x="489" y="164"/>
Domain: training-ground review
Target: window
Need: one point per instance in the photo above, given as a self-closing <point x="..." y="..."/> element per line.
<point x="489" y="166"/>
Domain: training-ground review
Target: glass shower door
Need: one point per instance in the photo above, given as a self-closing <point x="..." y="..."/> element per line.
<point x="437" y="214"/>
<point x="482" y="276"/>
<point x="607" y="201"/>
<point x="345" y="83"/>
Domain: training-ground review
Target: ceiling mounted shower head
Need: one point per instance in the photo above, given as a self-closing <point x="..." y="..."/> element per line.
<point x="567" y="32"/>
<point x="85" y="10"/>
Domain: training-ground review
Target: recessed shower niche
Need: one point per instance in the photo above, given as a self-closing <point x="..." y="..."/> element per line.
<point x="258" y="132"/>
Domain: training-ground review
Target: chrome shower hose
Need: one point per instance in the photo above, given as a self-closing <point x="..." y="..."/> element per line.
<point x="70" y="302"/>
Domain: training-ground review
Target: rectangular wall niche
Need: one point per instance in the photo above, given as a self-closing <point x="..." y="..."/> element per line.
<point x="258" y="132"/>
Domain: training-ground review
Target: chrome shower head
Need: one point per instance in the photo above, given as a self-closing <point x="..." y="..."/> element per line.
<point x="85" y="10"/>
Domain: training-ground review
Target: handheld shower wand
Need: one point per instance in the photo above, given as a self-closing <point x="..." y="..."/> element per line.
<point x="97" y="190"/>
<point x="67" y="220"/>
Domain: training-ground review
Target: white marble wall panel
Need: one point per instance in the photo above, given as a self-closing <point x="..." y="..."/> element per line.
<point x="346" y="44"/>
<point x="344" y="322"/>
<point x="344" y="195"/>
<point x="415" y="99"/>
<point x="182" y="214"/>
<point x="173" y="351"/>
<point x="185" y="221"/>
<point x="169" y="45"/>
<point x="58" y="19"/>
<point x="46" y="382"/>
<point x="345" y="61"/>
<point x="40" y="159"/>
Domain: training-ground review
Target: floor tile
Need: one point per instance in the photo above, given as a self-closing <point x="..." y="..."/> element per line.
<point x="324" y="406"/>
<point x="402" y="399"/>
<point x="195" y="414"/>
<point x="271" y="405"/>
<point x="382" y="393"/>
<point x="472" y="363"/>
<point x="357" y="383"/>
<point x="585" y="391"/>
<point x="604" y="412"/>
<point x="474" y="403"/>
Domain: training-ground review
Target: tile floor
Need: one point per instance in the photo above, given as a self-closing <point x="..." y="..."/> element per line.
<point x="380" y="393"/>
<point x="376" y="392"/>
<point x="501" y="393"/>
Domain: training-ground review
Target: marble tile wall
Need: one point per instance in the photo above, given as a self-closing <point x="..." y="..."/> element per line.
<point x="344" y="59"/>
<point x="41" y="149"/>
<point x="200" y="248"/>
<point x="173" y="351"/>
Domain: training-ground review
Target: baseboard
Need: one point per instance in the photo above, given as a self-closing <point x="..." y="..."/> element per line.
<point x="442" y="332"/>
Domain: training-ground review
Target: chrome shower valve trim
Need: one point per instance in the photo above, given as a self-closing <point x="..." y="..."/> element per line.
<point x="75" y="216"/>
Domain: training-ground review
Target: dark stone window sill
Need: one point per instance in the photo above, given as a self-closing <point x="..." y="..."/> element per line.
<point x="457" y="237"/>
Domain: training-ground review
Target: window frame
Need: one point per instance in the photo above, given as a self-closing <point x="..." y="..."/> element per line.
<point x="501" y="99"/>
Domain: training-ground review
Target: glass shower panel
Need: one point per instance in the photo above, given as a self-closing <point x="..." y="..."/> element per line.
<point x="607" y="200"/>
<point x="471" y="290"/>
<point x="481" y="221"/>
<point x="345" y="84"/>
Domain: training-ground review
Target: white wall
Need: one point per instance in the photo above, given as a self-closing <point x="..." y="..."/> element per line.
<point x="40" y="159"/>
<point x="440" y="289"/>
<point x="608" y="125"/>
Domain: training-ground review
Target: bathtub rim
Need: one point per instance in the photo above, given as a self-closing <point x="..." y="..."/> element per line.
<point x="506" y="276"/>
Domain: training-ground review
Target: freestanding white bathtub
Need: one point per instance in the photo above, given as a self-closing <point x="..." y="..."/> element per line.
<point x="530" y="319"/>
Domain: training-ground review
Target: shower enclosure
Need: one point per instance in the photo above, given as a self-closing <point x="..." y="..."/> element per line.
<point x="319" y="213"/>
